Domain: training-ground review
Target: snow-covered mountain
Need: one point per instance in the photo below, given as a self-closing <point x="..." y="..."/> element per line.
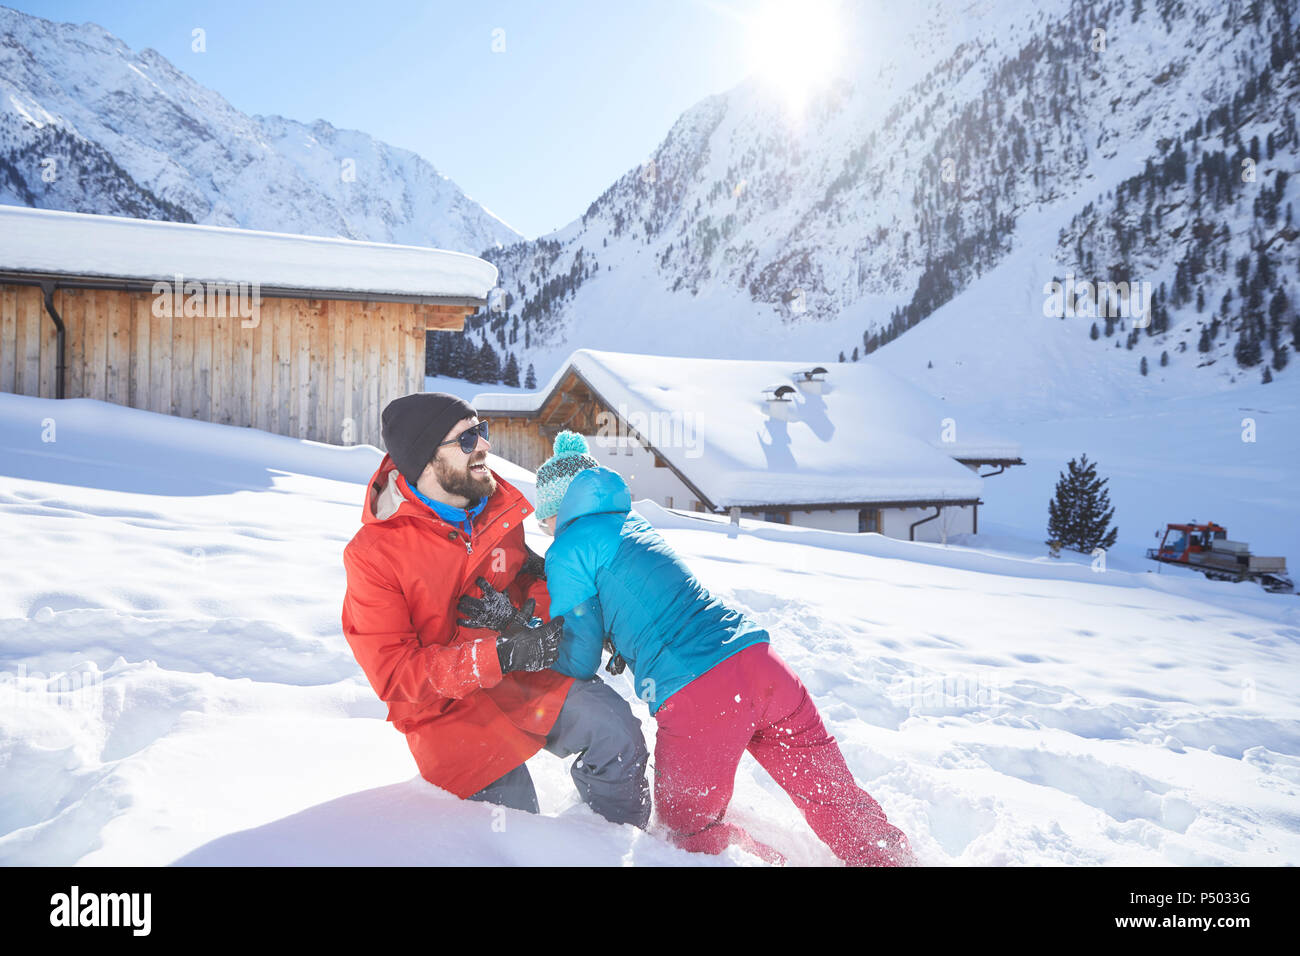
<point x="1104" y="140"/>
<point x="89" y="125"/>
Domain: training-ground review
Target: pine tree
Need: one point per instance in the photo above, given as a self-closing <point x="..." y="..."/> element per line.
<point x="510" y="374"/>
<point x="1164" y="359"/>
<point x="1268" y="375"/>
<point x="1093" y="333"/>
<point x="1143" y="366"/>
<point x="487" y="368"/>
<point x="1247" y="350"/>
<point x="1080" y="514"/>
<point x="530" y="379"/>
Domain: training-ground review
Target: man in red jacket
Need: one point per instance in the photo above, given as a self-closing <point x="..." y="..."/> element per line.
<point x="443" y="536"/>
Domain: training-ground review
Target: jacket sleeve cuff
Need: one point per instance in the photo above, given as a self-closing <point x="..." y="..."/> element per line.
<point x="487" y="663"/>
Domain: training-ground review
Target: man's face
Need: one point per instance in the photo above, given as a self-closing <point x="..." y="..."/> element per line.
<point x="463" y="475"/>
<point x="549" y="525"/>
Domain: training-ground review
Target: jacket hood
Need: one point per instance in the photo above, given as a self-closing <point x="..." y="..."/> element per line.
<point x="388" y="494"/>
<point x="384" y="496"/>
<point x="594" y="491"/>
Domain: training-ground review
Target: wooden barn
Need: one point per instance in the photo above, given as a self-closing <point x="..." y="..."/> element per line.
<point x="843" y="447"/>
<point x="298" y="335"/>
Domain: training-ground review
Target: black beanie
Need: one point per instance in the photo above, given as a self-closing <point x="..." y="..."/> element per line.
<point x="415" y="425"/>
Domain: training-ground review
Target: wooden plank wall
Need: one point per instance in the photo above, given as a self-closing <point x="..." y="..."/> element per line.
<point x="309" y="368"/>
<point x="519" y="440"/>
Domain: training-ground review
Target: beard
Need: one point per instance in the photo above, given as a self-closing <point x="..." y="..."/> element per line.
<point x="463" y="481"/>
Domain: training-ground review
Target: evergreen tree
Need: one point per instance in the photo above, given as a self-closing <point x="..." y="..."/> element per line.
<point x="1164" y="359"/>
<point x="487" y="368"/>
<point x="1268" y="375"/>
<point x="1079" y="516"/>
<point x="1093" y="333"/>
<point x="510" y="374"/>
<point x="1142" y="367"/>
<point x="530" y="379"/>
<point x="1247" y="350"/>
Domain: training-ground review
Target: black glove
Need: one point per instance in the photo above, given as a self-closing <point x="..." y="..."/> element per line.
<point x="534" y="564"/>
<point x="494" y="611"/>
<point x="524" y="648"/>
<point x="615" y="664"/>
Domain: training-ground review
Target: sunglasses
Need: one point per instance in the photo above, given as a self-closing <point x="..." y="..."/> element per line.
<point x="468" y="439"/>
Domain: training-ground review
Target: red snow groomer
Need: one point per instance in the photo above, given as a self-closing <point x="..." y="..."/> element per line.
<point x="1206" y="548"/>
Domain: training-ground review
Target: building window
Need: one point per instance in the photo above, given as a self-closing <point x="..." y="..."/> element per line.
<point x="869" y="520"/>
<point x="777" y="517"/>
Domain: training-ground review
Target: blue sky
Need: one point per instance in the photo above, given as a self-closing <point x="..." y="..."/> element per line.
<point x="583" y="91"/>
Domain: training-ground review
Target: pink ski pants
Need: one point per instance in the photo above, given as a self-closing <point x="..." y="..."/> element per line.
<point x="753" y="701"/>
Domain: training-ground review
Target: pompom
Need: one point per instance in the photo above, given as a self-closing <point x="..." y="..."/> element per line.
<point x="570" y="443"/>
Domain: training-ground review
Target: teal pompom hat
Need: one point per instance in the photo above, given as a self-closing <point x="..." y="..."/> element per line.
<point x="571" y="456"/>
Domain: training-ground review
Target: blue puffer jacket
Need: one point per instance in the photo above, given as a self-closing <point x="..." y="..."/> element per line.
<point x="610" y="573"/>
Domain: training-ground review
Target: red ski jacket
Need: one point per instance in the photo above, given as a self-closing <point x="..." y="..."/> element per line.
<point x="466" y="724"/>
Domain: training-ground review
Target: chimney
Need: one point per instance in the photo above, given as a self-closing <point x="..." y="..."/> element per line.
<point x="811" y="381"/>
<point x="779" y="403"/>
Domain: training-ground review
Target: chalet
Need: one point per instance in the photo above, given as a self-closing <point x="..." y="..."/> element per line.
<point x="845" y="447"/>
<point x="297" y="335"/>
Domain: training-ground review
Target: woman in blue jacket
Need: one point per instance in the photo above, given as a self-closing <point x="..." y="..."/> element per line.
<point x="707" y="672"/>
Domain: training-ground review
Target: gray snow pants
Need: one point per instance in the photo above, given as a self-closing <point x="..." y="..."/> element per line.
<point x="598" y="725"/>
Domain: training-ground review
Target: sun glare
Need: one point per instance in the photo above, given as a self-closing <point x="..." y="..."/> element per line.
<point x="794" y="47"/>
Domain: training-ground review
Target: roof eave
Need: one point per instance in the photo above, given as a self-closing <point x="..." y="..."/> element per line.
<point x="836" y="505"/>
<point x="69" y="280"/>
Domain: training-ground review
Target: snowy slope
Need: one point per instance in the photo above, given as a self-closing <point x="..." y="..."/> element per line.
<point x="968" y="154"/>
<point x="128" y="133"/>
<point x="1003" y="707"/>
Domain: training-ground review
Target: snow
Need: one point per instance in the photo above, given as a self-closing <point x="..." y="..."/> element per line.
<point x="1004" y="707"/>
<point x="862" y="436"/>
<point x="47" y="241"/>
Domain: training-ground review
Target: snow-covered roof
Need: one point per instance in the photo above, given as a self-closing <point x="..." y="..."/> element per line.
<point x="867" y="436"/>
<point x="47" y="241"/>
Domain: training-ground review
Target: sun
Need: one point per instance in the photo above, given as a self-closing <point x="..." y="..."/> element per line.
<point x="794" y="48"/>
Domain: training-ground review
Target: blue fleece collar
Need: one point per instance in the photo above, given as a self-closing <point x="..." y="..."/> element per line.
<point x="458" y="517"/>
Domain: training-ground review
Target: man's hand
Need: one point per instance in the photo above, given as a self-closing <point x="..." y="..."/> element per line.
<point x="534" y="564"/>
<point x="524" y="648"/>
<point x="493" y="611"/>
